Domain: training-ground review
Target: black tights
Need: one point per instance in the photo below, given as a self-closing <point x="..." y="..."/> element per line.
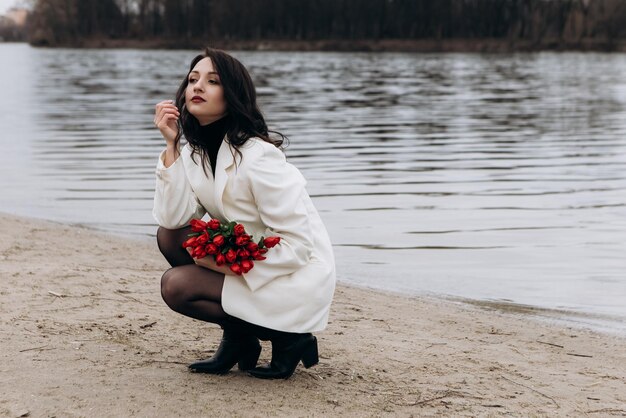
<point x="187" y="288"/>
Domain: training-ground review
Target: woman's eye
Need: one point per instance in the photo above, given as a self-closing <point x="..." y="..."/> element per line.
<point x="192" y="80"/>
<point x="213" y="82"/>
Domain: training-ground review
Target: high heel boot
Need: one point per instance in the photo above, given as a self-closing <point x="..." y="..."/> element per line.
<point x="287" y="351"/>
<point x="236" y="347"/>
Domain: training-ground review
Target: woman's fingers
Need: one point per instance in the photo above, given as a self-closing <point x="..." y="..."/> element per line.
<point x="165" y="103"/>
<point x="167" y="122"/>
<point x="161" y="106"/>
<point x="165" y="118"/>
<point x="165" y="114"/>
<point x="165" y="108"/>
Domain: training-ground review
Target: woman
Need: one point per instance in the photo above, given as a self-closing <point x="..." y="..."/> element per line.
<point x="231" y="169"/>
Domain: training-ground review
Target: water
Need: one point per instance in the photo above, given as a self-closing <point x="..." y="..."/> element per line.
<point x="492" y="177"/>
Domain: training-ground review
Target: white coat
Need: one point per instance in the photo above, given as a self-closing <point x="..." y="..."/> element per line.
<point x="293" y="288"/>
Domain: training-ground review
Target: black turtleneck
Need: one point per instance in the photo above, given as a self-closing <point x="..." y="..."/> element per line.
<point x="212" y="135"/>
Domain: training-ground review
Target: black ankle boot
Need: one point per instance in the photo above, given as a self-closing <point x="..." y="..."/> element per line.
<point x="287" y="351"/>
<point x="235" y="347"/>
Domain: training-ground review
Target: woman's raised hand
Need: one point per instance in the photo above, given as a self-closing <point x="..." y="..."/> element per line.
<point x="166" y="119"/>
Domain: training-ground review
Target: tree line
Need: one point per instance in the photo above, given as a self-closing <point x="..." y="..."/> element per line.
<point x="71" y="22"/>
<point x="10" y="32"/>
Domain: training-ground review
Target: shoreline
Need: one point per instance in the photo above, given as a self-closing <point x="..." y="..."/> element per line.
<point x="479" y="45"/>
<point x="595" y="322"/>
<point x="599" y="322"/>
<point x="86" y="333"/>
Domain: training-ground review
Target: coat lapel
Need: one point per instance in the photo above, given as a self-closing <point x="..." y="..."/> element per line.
<point x="224" y="162"/>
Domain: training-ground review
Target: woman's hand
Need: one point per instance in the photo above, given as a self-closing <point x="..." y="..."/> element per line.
<point x="166" y="119"/>
<point x="209" y="262"/>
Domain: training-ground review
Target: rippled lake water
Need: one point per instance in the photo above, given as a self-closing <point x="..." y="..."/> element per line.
<point x="491" y="177"/>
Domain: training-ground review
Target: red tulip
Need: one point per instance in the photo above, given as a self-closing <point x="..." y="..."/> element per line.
<point x="231" y="256"/>
<point x="199" y="252"/>
<point x="252" y="246"/>
<point x="220" y="260"/>
<point x="246" y="265"/>
<point x="257" y="256"/>
<point x="218" y="240"/>
<point x="211" y="249"/>
<point x="242" y="240"/>
<point x="269" y="242"/>
<point x="191" y="242"/>
<point x="202" y="239"/>
<point x="239" y="230"/>
<point x="214" y="224"/>
<point x="243" y="254"/>
<point x="198" y="225"/>
<point x="235" y="268"/>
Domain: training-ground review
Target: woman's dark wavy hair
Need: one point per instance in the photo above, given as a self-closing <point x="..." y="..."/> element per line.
<point x="240" y="96"/>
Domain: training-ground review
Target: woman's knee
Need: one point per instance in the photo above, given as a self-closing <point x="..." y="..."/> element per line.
<point x="172" y="291"/>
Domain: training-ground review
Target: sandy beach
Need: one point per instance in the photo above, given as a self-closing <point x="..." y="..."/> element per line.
<point x="84" y="332"/>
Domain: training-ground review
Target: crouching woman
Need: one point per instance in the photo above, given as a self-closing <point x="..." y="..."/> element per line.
<point x="232" y="170"/>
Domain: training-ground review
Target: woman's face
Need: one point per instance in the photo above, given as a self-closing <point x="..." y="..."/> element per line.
<point x="204" y="96"/>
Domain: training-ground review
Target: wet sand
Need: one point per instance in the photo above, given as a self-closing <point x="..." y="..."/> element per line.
<point x="85" y="333"/>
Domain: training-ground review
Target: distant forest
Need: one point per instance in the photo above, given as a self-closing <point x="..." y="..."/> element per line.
<point x="332" y="24"/>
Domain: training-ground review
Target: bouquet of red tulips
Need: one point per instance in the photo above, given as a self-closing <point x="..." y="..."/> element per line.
<point x="227" y="243"/>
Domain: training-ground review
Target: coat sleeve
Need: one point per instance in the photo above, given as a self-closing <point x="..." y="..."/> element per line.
<point x="279" y="192"/>
<point x="175" y="203"/>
